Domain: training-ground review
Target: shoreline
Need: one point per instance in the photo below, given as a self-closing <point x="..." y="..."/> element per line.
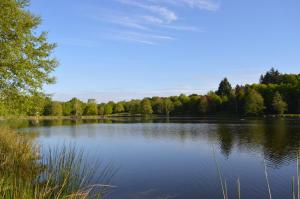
<point x="98" y="117"/>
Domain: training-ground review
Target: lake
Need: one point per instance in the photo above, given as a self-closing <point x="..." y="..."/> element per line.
<point x="174" y="158"/>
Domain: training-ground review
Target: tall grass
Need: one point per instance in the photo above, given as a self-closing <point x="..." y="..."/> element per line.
<point x="60" y="173"/>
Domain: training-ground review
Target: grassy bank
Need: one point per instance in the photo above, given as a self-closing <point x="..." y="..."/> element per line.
<point x="60" y="173"/>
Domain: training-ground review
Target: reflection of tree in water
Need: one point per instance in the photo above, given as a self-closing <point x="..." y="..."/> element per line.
<point x="225" y="139"/>
<point x="277" y="139"/>
<point x="281" y="142"/>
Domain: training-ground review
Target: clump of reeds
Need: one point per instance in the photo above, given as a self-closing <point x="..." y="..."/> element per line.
<point x="60" y="173"/>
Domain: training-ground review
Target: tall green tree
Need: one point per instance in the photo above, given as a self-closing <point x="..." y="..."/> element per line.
<point x="67" y="108"/>
<point x="224" y="88"/>
<point x="254" y="103"/>
<point x="56" y="109"/>
<point x="167" y="106"/>
<point x="25" y="54"/>
<point x="108" y="109"/>
<point x="135" y="106"/>
<point x="77" y="107"/>
<point x="119" y="108"/>
<point x="214" y="102"/>
<point x="101" y="109"/>
<point x="279" y="105"/>
<point x="146" y="108"/>
<point x="91" y="109"/>
<point x="273" y="76"/>
<point x="157" y="105"/>
<point x="203" y="105"/>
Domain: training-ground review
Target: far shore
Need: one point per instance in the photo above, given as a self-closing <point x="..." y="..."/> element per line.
<point x="114" y="116"/>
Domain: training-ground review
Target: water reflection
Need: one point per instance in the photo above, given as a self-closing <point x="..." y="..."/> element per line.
<point x="277" y="139"/>
<point x="173" y="157"/>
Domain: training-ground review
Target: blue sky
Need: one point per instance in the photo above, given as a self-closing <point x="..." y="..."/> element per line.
<point x="123" y="49"/>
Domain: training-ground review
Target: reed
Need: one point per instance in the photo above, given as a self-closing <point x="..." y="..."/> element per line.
<point x="60" y="173"/>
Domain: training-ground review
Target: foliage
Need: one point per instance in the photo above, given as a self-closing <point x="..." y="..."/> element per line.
<point x="25" y="57"/>
<point x="203" y="105"/>
<point x="279" y="106"/>
<point x="254" y="103"/>
<point x="224" y="88"/>
<point x="271" y="77"/>
<point x="91" y="109"/>
<point x="76" y="107"/>
<point x="108" y="109"/>
<point x="146" y="108"/>
<point x="119" y="108"/>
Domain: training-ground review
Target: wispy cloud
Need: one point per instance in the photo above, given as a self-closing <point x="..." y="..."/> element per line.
<point x="184" y="28"/>
<point x="151" y="39"/>
<point x="210" y="5"/>
<point x="167" y="14"/>
<point x="150" y="19"/>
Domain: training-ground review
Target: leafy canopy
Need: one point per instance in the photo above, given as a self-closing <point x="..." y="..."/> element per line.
<point x="25" y="54"/>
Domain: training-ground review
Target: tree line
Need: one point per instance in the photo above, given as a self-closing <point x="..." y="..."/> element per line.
<point x="276" y="93"/>
<point x="26" y="64"/>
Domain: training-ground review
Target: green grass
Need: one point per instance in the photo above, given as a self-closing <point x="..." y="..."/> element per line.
<point x="61" y="173"/>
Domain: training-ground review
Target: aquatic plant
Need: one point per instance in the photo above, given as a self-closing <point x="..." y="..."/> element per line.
<point x="59" y="173"/>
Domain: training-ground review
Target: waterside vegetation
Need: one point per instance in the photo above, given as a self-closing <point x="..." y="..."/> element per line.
<point x="58" y="173"/>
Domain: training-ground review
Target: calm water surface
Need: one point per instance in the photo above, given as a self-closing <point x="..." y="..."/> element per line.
<point x="174" y="158"/>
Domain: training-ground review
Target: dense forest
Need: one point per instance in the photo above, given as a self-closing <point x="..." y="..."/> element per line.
<point x="276" y="93"/>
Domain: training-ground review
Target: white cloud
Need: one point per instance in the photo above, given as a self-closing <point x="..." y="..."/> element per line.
<point x="167" y="14"/>
<point x="144" y="38"/>
<point x="210" y="5"/>
<point x="183" y="28"/>
<point x="152" y="19"/>
<point x="129" y="22"/>
<point x="144" y="20"/>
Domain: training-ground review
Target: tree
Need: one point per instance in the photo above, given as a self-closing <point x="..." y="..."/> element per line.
<point x="240" y="99"/>
<point x="67" y="108"/>
<point x="77" y="108"/>
<point x="177" y="109"/>
<point x="146" y="108"/>
<point x="279" y="106"/>
<point x="271" y="77"/>
<point x="203" y="105"/>
<point x="91" y="109"/>
<point x="135" y="106"/>
<point x="214" y="102"/>
<point x="254" y="102"/>
<point x="119" y="108"/>
<point x="157" y="105"/>
<point x="56" y="109"/>
<point x="25" y="54"/>
<point x="101" y="110"/>
<point x="36" y="103"/>
<point x="224" y="88"/>
<point x="108" y="109"/>
<point x="167" y="106"/>
<point x="193" y="104"/>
